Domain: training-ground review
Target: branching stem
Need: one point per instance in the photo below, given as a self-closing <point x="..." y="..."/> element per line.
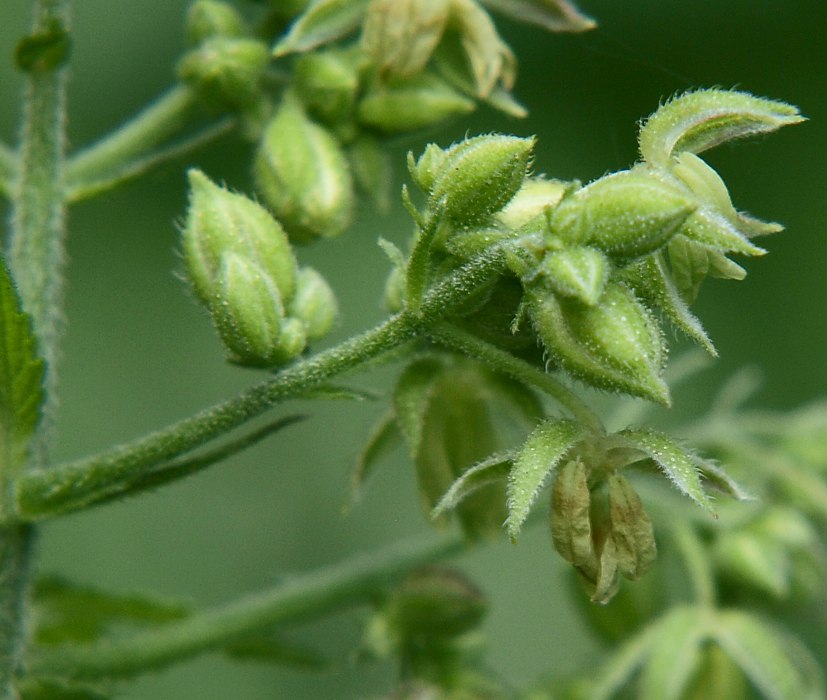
<point x="302" y="597"/>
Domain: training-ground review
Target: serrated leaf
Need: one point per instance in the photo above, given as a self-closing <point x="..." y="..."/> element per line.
<point x="676" y="655"/>
<point x="677" y="462"/>
<point x="762" y="654"/>
<point x="697" y="121"/>
<point x="488" y="471"/>
<point x="324" y="21"/>
<point x="21" y="379"/>
<point x="552" y="15"/>
<point x="384" y="437"/>
<point x="411" y="397"/>
<point x="68" y="613"/>
<point x="270" y="648"/>
<point x="536" y="461"/>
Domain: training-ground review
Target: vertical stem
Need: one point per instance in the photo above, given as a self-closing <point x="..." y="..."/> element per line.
<point x="36" y="258"/>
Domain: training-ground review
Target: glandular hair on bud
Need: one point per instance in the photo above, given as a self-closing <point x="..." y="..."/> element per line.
<point x="248" y="311"/>
<point x="480" y="175"/>
<point x="210" y="18"/>
<point x="220" y="222"/>
<point x="226" y="71"/>
<point x="303" y="175"/>
<point x="627" y="214"/>
<point x="314" y="303"/>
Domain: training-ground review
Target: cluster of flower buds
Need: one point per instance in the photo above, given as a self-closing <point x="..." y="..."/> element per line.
<point x="242" y="269"/>
<point x="600" y="264"/>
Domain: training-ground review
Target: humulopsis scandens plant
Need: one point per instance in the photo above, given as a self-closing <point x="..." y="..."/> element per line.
<point x="517" y="289"/>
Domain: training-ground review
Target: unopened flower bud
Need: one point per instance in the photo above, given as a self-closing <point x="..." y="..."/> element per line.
<point x="400" y="35"/>
<point x="616" y="345"/>
<point x="424" y="170"/>
<point x="626" y="215"/>
<point x="577" y="273"/>
<point x="420" y="102"/>
<point x="304" y="176"/>
<point x="249" y="314"/>
<point x="210" y="18"/>
<point x="435" y="603"/>
<point x="226" y="71"/>
<point x="314" y="303"/>
<point x="220" y="222"/>
<point x="480" y="176"/>
<point x="327" y="82"/>
<point x="535" y="198"/>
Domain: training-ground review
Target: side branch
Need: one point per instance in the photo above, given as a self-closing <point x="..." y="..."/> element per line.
<point x="302" y="598"/>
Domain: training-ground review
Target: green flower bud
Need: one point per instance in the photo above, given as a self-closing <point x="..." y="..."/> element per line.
<point x="616" y="345"/>
<point x="420" y="102"/>
<point x="314" y="303"/>
<point x="536" y="198"/>
<point x="226" y="71"/>
<point x="327" y="82"/>
<point x="577" y="273"/>
<point x="210" y="18"/>
<point x="248" y="311"/>
<point x="303" y="175"/>
<point x="480" y="176"/>
<point x="400" y="35"/>
<point x="632" y="531"/>
<point x="219" y="222"/>
<point x="435" y="603"/>
<point x="627" y="215"/>
<point x="425" y="169"/>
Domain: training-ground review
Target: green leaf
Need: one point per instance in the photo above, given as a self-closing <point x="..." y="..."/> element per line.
<point x="269" y="648"/>
<point x="697" y="121"/>
<point x="755" y="561"/>
<point x="411" y="397"/>
<point x="537" y="460"/>
<point x="382" y="439"/>
<point x="324" y="21"/>
<point x="764" y="655"/>
<point x="552" y="15"/>
<point x="714" y="475"/>
<point x="691" y="262"/>
<point x="67" y="613"/>
<point x="489" y="470"/>
<point x="677" y="462"/>
<point x="675" y="656"/>
<point x="21" y="379"/>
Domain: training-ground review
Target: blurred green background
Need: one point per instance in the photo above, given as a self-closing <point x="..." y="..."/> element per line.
<point x="139" y="354"/>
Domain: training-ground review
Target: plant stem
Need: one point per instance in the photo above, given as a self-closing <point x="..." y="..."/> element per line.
<point x="303" y="597"/>
<point x="472" y="346"/>
<point x="46" y="492"/>
<point x="8" y="169"/>
<point x="159" y="121"/>
<point x="36" y="260"/>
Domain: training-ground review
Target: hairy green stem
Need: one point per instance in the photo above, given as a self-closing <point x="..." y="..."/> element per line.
<point x="44" y="493"/>
<point x="36" y="260"/>
<point x="8" y="169"/>
<point x="502" y="361"/>
<point x="149" y="128"/>
<point x="302" y="597"/>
